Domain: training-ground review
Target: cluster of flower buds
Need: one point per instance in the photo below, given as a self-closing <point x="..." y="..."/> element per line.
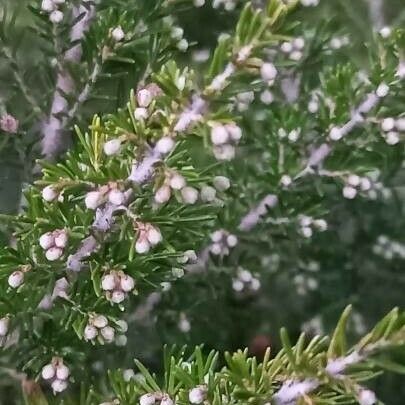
<point x="308" y="224"/>
<point x="144" y="98"/>
<point x="148" y="236"/>
<point x="97" y="327"/>
<point x="268" y="73"/>
<point x="222" y="242"/>
<point x="245" y="282"/>
<point x="177" y="35"/>
<point x="305" y="283"/>
<point x="224" y="138"/>
<point x="9" y="124"/>
<point x="392" y="129"/>
<point x="54" y="243"/>
<point x="189" y="256"/>
<point x="243" y="100"/>
<point x="52" y="7"/>
<point x="354" y="184"/>
<point x="172" y="181"/>
<point x="228" y="5"/>
<point x="155" y="398"/>
<point x="110" y="192"/>
<point x="293" y="48"/>
<point x="198" y="394"/>
<point x="292" y="136"/>
<point x="4" y="325"/>
<point x="388" y="248"/>
<point x="117" y="285"/>
<point x="117" y="34"/>
<point x="57" y="373"/>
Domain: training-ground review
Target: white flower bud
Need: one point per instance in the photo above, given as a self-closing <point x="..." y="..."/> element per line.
<point x="93" y="199"/>
<point x="208" y="193"/>
<point x="216" y="249"/>
<point x="387" y="124"/>
<point x="177" y="182"/>
<point x="100" y="321"/>
<point x="47" y="5"/>
<point x="116" y="197"/>
<point x="49" y="194"/>
<point x="365" y="184"/>
<point x="117" y="296"/>
<point x="285" y="180"/>
<point x="245" y="276"/>
<point x="163" y="194"/>
<point x="353" y="180"/>
<point x="181" y="82"/>
<point x="268" y="72"/>
<point x="128" y="374"/>
<point x="4" y="322"/>
<point x="286" y="47"/>
<point x="400" y="124"/>
<point x="112" y="147"/>
<point x="221" y="183"/>
<point x="90" y="332"/>
<point x="198" y="3"/>
<point x="296" y="55"/>
<point x="127" y="283"/>
<point x="234" y="131"/>
<point x="231" y="241"/>
<point x="46" y="240"/>
<point x="237" y="285"/>
<point x="61" y="239"/>
<point x="298" y="43"/>
<point x="177" y="33"/>
<point x="16" y="279"/>
<point x="224" y="152"/>
<point x="144" y="97"/>
<point x="108" y="282"/>
<point x="62" y="372"/>
<point x="53" y="253"/>
<point x="189" y="195"/>
<point x="142" y="246"/>
<point x="56" y="16"/>
<point x="59" y="385"/>
<point x="166" y="400"/>
<point x="219" y="135"/>
<point x="293" y="135"/>
<point x="392" y="138"/>
<point x="121" y="340"/>
<point x="367" y="397"/>
<point x="321" y="224"/>
<point x="48" y="372"/>
<point x="108" y="333"/>
<point x="154" y="236"/>
<point x="165" y="145"/>
<point x="382" y="90"/>
<point x="122" y="326"/>
<point x="266" y="97"/>
<point x="349" y="192"/>
<point x="385" y="32"/>
<point x="118" y="34"/>
<point x="217" y="236"/>
<point x="313" y="106"/>
<point x="306" y="232"/>
<point x="197" y="395"/>
<point x="141" y="113"/>
<point x="182" y="45"/>
<point x="147" y="399"/>
<point x="335" y="134"/>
